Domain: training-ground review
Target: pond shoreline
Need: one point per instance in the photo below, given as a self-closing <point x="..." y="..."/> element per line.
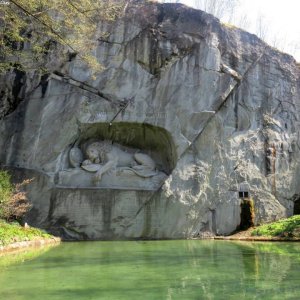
<point x="17" y="246"/>
<point x="239" y="236"/>
<point x="246" y="236"/>
<point x="256" y="239"/>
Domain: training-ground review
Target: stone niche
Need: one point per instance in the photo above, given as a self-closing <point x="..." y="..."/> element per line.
<point x="119" y="156"/>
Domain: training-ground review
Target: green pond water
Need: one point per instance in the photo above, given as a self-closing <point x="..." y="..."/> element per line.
<point x="153" y="270"/>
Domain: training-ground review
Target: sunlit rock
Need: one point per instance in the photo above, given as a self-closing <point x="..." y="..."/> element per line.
<point x="196" y="109"/>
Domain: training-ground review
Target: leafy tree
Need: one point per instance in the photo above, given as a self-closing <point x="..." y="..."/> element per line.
<point x="29" y="29"/>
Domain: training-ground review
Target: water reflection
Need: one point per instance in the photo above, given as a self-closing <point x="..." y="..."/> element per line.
<point x="20" y="256"/>
<point x="157" y="270"/>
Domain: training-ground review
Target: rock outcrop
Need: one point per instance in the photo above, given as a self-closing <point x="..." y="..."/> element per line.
<point x="212" y="109"/>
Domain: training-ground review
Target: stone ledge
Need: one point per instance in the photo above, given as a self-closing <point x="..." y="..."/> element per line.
<point x="65" y="187"/>
<point x="78" y="178"/>
<point x="29" y="244"/>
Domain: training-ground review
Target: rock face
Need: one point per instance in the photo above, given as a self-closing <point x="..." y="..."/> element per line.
<point x="214" y="108"/>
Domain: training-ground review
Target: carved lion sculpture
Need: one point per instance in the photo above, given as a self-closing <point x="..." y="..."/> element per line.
<point x="103" y="156"/>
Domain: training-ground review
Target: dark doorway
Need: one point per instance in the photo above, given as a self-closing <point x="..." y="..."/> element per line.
<point x="243" y="194"/>
<point x="297" y="207"/>
<point x="246" y="215"/>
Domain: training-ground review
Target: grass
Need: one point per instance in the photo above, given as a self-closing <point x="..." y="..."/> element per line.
<point x="13" y="232"/>
<point x="289" y="228"/>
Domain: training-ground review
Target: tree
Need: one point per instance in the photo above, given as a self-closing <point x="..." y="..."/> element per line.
<point x="261" y="27"/>
<point x="31" y="28"/>
<point x="222" y="9"/>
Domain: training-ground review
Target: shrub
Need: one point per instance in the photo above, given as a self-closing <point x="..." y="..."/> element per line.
<point x="284" y="228"/>
<point x="13" y="201"/>
<point x="6" y="192"/>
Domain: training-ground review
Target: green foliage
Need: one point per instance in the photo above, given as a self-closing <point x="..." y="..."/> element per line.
<point x="6" y="191"/>
<point x="284" y="228"/>
<point x="30" y="28"/>
<point x="13" y="232"/>
<point x="13" y="201"/>
<point x="13" y="205"/>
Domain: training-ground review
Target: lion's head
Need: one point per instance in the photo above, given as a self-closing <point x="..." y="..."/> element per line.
<point x="96" y="151"/>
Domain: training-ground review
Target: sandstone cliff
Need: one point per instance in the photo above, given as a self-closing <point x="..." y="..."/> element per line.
<point x="215" y="107"/>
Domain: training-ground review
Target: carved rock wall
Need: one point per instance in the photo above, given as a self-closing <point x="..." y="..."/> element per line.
<point x="215" y="107"/>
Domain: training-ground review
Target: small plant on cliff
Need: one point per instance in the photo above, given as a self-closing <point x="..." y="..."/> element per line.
<point x="13" y="201"/>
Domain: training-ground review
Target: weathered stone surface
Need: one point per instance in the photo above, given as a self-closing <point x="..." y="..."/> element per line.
<point x="126" y="179"/>
<point x="214" y="107"/>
